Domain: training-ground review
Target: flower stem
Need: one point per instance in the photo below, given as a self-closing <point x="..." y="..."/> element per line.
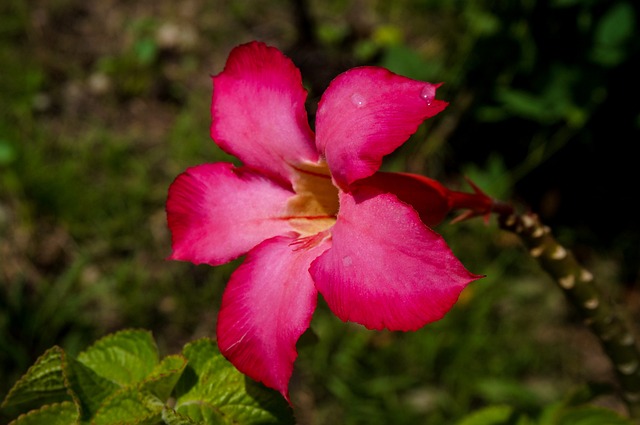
<point x="579" y="287"/>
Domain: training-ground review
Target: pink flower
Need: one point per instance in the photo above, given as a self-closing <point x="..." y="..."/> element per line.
<point x="311" y="211"/>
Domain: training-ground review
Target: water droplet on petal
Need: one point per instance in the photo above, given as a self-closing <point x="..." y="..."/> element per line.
<point x="358" y="100"/>
<point x="347" y="261"/>
<point x="428" y="93"/>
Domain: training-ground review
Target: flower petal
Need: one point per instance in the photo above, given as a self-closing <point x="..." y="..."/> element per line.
<point x="258" y="111"/>
<point x="266" y="307"/>
<point x="385" y="269"/>
<point x="427" y="196"/>
<point x="217" y="212"/>
<point x="365" y="114"/>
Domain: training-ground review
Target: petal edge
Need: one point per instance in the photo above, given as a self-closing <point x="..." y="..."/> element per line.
<point x="267" y="305"/>
<point x="217" y="212"/>
<point x="367" y="113"/>
<point x="258" y="111"/>
<point x="385" y="269"/>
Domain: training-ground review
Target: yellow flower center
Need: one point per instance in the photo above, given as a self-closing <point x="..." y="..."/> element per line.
<point x="315" y="204"/>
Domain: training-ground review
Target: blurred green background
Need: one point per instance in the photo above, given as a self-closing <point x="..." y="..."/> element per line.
<point x="103" y="103"/>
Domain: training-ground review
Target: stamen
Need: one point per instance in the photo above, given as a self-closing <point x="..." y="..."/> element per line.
<point x="315" y="205"/>
<point x="307" y="242"/>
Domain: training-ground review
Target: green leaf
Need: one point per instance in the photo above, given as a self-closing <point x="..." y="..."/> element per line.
<point x="146" y="51"/>
<point x="591" y="415"/>
<point x="143" y="403"/>
<point x="42" y="383"/>
<point x="549" y="415"/>
<point x="493" y="178"/>
<point x="508" y="391"/>
<point x="171" y="417"/>
<point x="212" y="391"/>
<point x="125" y="357"/>
<point x="164" y="377"/>
<point x="480" y="21"/>
<point x="614" y="29"/>
<point x="405" y="61"/>
<point x="492" y="415"/>
<point x="130" y="405"/>
<point x="88" y="388"/>
<point x="616" y="26"/>
<point x="7" y="153"/>
<point x="527" y="105"/>
<point x="64" y="413"/>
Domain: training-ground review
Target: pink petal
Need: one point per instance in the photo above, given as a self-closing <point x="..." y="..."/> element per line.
<point x="258" y="111"/>
<point x="385" y="269"/>
<point x="427" y="196"/>
<point x="266" y="307"/>
<point x="365" y="114"/>
<point x="217" y="212"/>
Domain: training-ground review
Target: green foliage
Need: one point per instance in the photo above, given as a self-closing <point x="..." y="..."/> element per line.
<point x="406" y="61"/>
<point x="44" y="380"/>
<point x="492" y="415"/>
<point x="121" y="380"/>
<point x="212" y="390"/>
<point x="7" y="153"/>
<point x="554" y="414"/>
<point x="493" y="177"/>
<point x="64" y="413"/>
<point x="133" y="68"/>
<point x="613" y="34"/>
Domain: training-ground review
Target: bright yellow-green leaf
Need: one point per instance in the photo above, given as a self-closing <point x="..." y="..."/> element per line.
<point x="164" y="377"/>
<point x="65" y="413"/>
<point x="492" y="415"/>
<point x="125" y="357"/>
<point x="129" y="406"/>
<point x="212" y="391"/>
<point x="42" y="383"/>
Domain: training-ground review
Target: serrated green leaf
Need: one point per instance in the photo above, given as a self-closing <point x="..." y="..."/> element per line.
<point x="125" y="357"/>
<point x="211" y="390"/>
<point x="492" y="415"/>
<point x="88" y="388"/>
<point x="591" y="415"/>
<point x="65" y="413"/>
<point x="164" y="377"/>
<point x="171" y="417"/>
<point x="131" y="406"/>
<point x="42" y="383"/>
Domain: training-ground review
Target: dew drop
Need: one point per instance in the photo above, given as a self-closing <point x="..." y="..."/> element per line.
<point x="347" y="261"/>
<point x="358" y="100"/>
<point x="428" y="93"/>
